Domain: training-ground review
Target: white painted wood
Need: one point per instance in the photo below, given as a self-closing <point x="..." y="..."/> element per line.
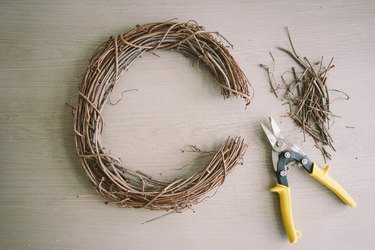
<point x="45" y="47"/>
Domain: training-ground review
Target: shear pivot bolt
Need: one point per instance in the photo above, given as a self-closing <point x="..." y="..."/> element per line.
<point x="280" y="144"/>
<point x="283" y="173"/>
<point x="304" y="161"/>
<point x="287" y="155"/>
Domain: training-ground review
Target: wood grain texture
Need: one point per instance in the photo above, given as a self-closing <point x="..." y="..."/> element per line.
<point x="44" y="49"/>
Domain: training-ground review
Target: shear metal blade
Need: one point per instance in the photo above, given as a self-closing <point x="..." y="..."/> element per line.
<point x="275" y="128"/>
<point x="270" y="136"/>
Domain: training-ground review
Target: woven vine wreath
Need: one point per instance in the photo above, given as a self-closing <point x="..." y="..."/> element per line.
<point x="114" y="180"/>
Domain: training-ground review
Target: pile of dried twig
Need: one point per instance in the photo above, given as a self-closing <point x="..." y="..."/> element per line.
<point x="113" y="179"/>
<point x="308" y="97"/>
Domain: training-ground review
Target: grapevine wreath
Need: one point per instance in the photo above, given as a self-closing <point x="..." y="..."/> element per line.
<point x="114" y="180"/>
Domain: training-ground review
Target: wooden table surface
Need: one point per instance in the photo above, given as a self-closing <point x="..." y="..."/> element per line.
<point x="44" y="50"/>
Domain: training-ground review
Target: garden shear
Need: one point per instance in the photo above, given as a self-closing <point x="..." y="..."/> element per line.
<point x="284" y="155"/>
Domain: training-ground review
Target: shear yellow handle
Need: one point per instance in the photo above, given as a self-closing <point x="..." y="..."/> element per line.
<point x="286" y="212"/>
<point x="322" y="176"/>
<point x="285" y="203"/>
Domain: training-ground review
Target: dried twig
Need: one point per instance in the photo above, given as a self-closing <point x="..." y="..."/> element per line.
<point x="116" y="181"/>
<point x="271" y="75"/>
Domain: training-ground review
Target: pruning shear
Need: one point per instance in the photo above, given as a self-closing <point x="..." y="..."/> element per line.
<point x="284" y="155"/>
